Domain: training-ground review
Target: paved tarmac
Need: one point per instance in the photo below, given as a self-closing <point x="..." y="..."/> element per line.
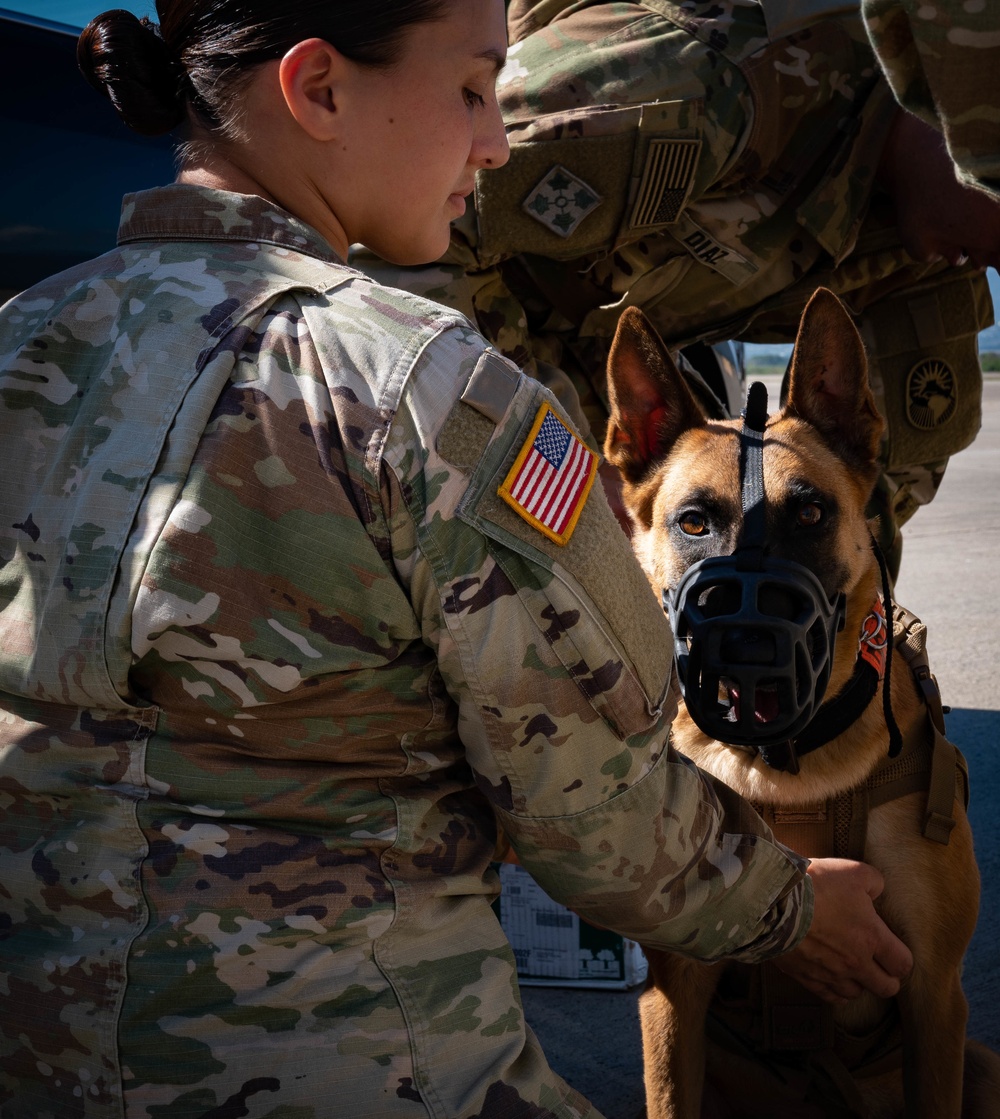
<point x="949" y="579"/>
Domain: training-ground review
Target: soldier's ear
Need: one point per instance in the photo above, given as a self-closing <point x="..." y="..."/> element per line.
<point x="828" y="384"/>
<point x="312" y="76"/>
<point x="650" y="402"/>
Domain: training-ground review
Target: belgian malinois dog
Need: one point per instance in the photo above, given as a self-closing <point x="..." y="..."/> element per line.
<point x="730" y="1040"/>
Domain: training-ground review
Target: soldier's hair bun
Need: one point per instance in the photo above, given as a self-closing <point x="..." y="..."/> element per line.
<point x="124" y="58"/>
<point x="203" y="51"/>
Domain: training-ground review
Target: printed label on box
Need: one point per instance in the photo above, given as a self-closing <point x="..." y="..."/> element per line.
<point x="553" y="946"/>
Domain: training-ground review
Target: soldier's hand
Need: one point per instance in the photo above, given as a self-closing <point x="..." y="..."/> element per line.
<point x="938" y="217"/>
<point x="848" y="948"/>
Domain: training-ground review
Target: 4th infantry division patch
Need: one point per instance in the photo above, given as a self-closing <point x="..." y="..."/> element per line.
<point x="551" y="477"/>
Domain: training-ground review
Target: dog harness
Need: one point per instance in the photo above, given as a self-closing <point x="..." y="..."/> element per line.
<point x="760" y="1012"/>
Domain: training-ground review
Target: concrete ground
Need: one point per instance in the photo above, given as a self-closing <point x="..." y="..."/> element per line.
<point x="949" y="579"/>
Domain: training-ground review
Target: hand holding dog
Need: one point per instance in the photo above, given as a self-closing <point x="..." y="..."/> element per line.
<point x="848" y="948"/>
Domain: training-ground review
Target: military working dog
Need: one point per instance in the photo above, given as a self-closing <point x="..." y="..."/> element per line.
<point x="869" y="776"/>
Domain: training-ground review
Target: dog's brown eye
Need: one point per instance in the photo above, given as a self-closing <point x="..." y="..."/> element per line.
<point x="692" y="524"/>
<point x="810" y="515"/>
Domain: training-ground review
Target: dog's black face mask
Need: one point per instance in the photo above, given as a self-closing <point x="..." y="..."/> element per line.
<point x="754" y="634"/>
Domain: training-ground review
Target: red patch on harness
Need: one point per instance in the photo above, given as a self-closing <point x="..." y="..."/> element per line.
<point x="874" y="638"/>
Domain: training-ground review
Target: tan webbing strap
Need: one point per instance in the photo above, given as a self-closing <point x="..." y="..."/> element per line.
<point x="949" y="773"/>
<point x="933" y="766"/>
<point x="910" y="639"/>
<point x="850" y="814"/>
<point x="963" y="776"/>
<point x="788" y="1016"/>
<point x="945" y="775"/>
<point x="809" y="830"/>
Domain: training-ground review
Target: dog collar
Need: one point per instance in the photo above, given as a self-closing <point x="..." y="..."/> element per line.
<point x="838" y="713"/>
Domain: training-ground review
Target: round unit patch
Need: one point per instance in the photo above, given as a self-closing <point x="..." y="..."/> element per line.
<point x="931" y="394"/>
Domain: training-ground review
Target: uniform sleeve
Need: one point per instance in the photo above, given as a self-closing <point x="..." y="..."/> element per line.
<point x="559" y="658"/>
<point x="941" y="61"/>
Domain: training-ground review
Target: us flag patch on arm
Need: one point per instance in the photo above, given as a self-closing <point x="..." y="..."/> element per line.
<point x="551" y="477"/>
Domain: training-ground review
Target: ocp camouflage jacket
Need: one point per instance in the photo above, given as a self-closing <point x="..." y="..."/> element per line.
<point x="709" y="162"/>
<point x="941" y="60"/>
<point x="275" y="655"/>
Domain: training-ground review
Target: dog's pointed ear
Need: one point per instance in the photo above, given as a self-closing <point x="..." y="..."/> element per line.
<point x="828" y="385"/>
<point x="650" y="402"/>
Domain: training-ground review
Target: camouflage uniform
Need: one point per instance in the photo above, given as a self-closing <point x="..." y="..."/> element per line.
<point x="942" y="61"/>
<point x="274" y="657"/>
<point x="713" y="163"/>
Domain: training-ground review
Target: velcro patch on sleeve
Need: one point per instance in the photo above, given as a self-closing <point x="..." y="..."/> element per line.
<point x="551" y="477"/>
<point x="561" y="201"/>
<point x="666" y="182"/>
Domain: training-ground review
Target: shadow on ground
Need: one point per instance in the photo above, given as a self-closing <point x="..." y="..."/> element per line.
<point x="977" y="735"/>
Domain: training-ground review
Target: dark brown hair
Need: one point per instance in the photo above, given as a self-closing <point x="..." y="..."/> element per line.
<point x="203" y="50"/>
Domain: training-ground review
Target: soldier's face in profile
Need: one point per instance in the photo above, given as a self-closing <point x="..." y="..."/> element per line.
<point x="429" y="124"/>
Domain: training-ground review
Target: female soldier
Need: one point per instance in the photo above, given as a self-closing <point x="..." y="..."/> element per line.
<point x="276" y="655"/>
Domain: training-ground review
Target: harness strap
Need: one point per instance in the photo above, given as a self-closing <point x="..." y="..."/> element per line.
<point x="927" y="763"/>
<point x="775" y="1014"/>
<point x="940" y="770"/>
<point x="808" y="829"/>
<point x="749" y="552"/>
<point x="910" y="637"/>
<point x="949" y="770"/>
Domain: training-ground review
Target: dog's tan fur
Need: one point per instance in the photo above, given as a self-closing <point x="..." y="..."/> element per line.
<point x="827" y="436"/>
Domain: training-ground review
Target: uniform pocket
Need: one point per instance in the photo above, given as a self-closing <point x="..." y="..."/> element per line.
<point x="926" y="352"/>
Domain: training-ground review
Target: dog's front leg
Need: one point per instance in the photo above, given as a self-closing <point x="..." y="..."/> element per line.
<point x="930" y="900"/>
<point x="934" y="1012"/>
<point x="672" y="1012"/>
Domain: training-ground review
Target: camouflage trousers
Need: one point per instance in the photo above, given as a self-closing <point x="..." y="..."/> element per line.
<point x="920" y="324"/>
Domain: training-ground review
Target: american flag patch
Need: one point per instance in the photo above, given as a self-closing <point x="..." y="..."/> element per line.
<point x="551" y="477"/>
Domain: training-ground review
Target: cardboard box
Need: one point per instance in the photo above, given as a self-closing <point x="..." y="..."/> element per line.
<point x="554" y="948"/>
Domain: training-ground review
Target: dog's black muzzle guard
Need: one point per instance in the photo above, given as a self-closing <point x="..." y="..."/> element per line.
<point x="754" y="634"/>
